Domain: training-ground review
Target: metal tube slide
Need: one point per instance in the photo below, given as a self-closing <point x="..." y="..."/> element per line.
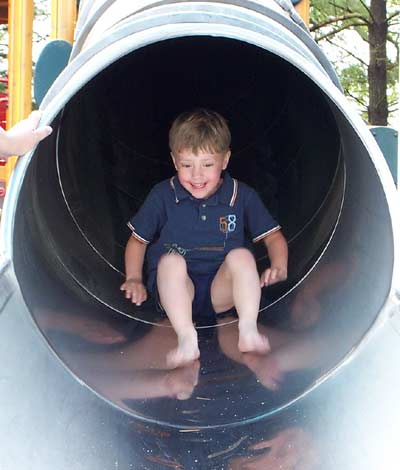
<point x="98" y="365"/>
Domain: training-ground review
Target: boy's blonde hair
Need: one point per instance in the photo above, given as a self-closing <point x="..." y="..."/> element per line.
<point x="200" y="130"/>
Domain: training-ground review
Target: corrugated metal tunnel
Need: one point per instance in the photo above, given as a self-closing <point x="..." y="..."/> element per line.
<point x="294" y="140"/>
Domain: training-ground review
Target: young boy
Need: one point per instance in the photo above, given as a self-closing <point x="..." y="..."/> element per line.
<point x="197" y="226"/>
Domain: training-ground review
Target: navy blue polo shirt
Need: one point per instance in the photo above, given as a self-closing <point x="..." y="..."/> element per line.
<point x="201" y="230"/>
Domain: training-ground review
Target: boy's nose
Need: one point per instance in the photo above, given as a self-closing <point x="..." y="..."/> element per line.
<point x="197" y="171"/>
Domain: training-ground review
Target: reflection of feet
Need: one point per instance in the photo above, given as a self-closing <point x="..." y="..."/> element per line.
<point x="181" y="382"/>
<point x="305" y="313"/>
<point x="100" y="335"/>
<point x="89" y="329"/>
<point x="187" y="351"/>
<point x="265" y="368"/>
<point x="250" y="340"/>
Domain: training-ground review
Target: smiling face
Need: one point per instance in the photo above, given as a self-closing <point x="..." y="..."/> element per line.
<point x="200" y="173"/>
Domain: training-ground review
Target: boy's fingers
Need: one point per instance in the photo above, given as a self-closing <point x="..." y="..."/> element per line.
<point x="263" y="279"/>
<point x="135" y="293"/>
<point x="277" y="275"/>
<point x="281" y="275"/>
<point x="142" y="298"/>
<point x="138" y="298"/>
<point x="267" y="275"/>
<point x="128" y="294"/>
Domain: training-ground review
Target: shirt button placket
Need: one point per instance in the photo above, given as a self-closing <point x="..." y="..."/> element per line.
<point x="203" y="216"/>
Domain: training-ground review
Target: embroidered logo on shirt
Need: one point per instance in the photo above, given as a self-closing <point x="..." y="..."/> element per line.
<point x="227" y="223"/>
<point x="175" y="248"/>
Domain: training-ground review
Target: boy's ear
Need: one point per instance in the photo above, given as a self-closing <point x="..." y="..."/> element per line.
<point x="226" y="159"/>
<point x="174" y="161"/>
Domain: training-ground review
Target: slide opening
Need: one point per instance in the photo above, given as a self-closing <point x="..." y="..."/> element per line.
<point x="290" y="142"/>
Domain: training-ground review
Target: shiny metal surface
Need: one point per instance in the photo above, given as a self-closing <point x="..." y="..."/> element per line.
<point x="86" y="369"/>
<point x="51" y="420"/>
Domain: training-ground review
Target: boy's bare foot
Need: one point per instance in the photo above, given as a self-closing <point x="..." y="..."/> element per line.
<point x="187" y="351"/>
<point x="250" y="340"/>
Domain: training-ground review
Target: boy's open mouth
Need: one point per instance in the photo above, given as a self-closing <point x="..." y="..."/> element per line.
<point x="198" y="185"/>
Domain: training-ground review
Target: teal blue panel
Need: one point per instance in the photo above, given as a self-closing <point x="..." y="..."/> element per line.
<point x="52" y="61"/>
<point x="388" y="141"/>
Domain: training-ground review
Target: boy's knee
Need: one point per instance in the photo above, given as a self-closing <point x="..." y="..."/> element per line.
<point x="240" y="257"/>
<point x="171" y="261"/>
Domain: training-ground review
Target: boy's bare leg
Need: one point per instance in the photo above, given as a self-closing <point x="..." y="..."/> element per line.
<point x="237" y="283"/>
<point x="176" y="292"/>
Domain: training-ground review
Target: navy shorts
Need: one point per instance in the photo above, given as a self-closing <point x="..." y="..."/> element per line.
<point x="203" y="313"/>
<point x="202" y="308"/>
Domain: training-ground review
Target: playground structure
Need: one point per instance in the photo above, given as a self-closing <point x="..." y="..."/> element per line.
<point x="18" y="14"/>
<point x="108" y="401"/>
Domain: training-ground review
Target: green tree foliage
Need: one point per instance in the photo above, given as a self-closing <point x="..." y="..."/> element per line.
<point x="361" y="37"/>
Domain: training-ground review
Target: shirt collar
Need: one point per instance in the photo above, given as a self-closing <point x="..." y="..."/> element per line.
<point x="226" y="193"/>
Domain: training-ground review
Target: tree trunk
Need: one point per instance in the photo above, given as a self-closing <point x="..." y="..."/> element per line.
<point x="377" y="69"/>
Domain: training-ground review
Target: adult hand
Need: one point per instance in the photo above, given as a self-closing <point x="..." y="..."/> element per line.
<point x="23" y="136"/>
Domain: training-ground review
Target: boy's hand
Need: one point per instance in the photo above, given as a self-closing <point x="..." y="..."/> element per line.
<point x="278" y="254"/>
<point x="273" y="275"/>
<point x="134" y="290"/>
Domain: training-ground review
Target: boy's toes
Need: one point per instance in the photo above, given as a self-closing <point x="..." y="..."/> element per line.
<point x="253" y="342"/>
<point x="263" y="346"/>
<point x="181" y="356"/>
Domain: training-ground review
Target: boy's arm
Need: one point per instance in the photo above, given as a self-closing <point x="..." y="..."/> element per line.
<point x="278" y="254"/>
<point x="134" y="258"/>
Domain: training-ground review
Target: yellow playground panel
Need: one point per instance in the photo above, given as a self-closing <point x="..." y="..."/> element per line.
<point x="303" y="9"/>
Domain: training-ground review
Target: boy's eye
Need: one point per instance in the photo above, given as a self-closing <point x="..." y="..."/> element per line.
<point x="185" y="165"/>
<point x="208" y="164"/>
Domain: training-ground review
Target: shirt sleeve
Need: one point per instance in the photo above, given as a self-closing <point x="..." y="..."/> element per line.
<point x="147" y="222"/>
<point x="259" y="222"/>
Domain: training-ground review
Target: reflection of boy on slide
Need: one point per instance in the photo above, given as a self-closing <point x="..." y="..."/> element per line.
<point x="291" y="351"/>
<point x="196" y="225"/>
<point x="290" y="449"/>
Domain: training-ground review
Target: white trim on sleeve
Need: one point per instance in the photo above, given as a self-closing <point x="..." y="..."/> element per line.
<point x="265" y="234"/>
<point x="136" y="235"/>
